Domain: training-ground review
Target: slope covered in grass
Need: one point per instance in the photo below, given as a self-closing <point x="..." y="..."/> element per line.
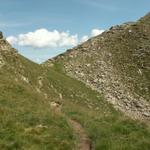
<point x="27" y="90"/>
<point x="29" y="123"/>
<point x="26" y="120"/>
<point x="106" y="127"/>
<point x="117" y="64"/>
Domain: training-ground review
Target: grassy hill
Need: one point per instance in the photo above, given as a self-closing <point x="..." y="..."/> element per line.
<point x="26" y="119"/>
<point x="107" y="128"/>
<point x="117" y="64"/>
<point x="29" y="122"/>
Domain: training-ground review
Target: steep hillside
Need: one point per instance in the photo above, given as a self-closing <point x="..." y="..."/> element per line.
<point x="29" y="122"/>
<point x="107" y="128"/>
<point x="117" y="64"/>
<point x="42" y="108"/>
<point x="26" y="119"/>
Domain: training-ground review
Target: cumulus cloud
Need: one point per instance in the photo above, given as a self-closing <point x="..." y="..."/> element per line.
<point x="84" y="38"/>
<point x="42" y="38"/>
<point x="96" y="32"/>
<point x="11" y="39"/>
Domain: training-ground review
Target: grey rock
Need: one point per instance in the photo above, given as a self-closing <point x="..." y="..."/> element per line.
<point x="1" y="35"/>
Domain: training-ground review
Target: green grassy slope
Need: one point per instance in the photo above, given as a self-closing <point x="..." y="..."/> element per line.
<point x="27" y="122"/>
<point x="107" y="128"/>
<point x="26" y="119"/>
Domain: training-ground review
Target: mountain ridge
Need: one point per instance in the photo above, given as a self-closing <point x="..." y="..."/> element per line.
<point x="115" y="63"/>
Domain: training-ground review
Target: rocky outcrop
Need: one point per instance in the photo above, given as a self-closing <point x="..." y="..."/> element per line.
<point x="1" y="35"/>
<point x="5" y="50"/>
<point x="103" y="79"/>
<point x="10" y="59"/>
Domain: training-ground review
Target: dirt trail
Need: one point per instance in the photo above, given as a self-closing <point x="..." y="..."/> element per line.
<point x="84" y="142"/>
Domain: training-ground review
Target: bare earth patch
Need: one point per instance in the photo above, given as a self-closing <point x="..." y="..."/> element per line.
<point x="84" y="141"/>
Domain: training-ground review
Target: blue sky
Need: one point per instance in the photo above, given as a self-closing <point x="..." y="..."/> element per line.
<point x="71" y="19"/>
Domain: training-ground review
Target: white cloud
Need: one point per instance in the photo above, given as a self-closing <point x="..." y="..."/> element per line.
<point x="84" y="38"/>
<point x="42" y="38"/>
<point x="96" y="32"/>
<point x="11" y="39"/>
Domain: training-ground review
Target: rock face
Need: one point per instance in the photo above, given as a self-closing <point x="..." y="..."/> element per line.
<point x="11" y="60"/>
<point x="7" y="53"/>
<point x="1" y="35"/>
<point x="117" y="64"/>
